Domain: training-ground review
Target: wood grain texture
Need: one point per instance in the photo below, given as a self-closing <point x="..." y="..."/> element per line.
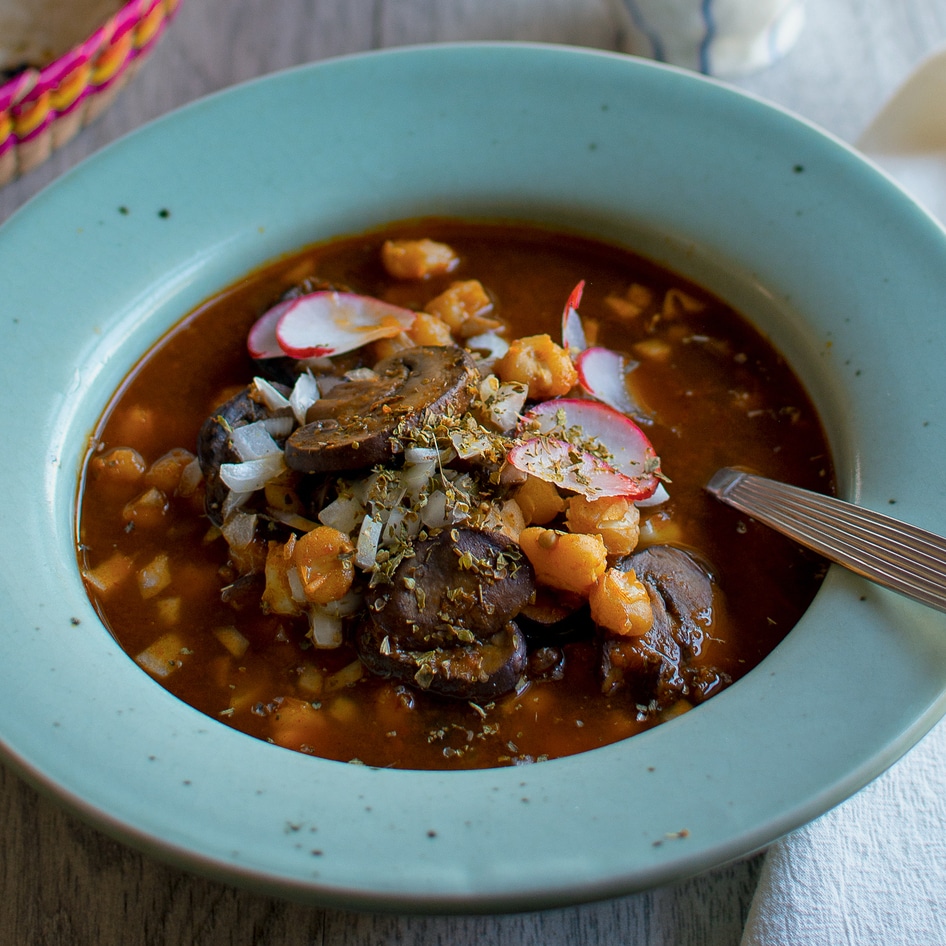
<point x="63" y="883"/>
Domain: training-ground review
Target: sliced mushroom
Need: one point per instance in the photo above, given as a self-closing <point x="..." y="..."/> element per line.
<point x="213" y="442"/>
<point x="458" y="587"/>
<point x="662" y="665"/>
<point x="554" y="617"/>
<point x="480" y="671"/>
<point x="353" y="426"/>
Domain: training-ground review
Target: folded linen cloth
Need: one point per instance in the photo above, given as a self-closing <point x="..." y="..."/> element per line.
<point x="873" y="870"/>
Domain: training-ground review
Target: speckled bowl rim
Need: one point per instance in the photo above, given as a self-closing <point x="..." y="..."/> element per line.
<point x="787" y="223"/>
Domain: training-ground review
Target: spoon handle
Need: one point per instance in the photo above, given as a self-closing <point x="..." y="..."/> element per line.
<point x="892" y="553"/>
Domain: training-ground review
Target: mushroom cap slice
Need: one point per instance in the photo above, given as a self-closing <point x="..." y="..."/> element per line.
<point x="460" y="585"/>
<point x="480" y="671"/>
<point x="353" y="427"/>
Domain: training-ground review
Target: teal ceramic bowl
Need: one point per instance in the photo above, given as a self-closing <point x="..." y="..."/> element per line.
<point x="813" y="244"/>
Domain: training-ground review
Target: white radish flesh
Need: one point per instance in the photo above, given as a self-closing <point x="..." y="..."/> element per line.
<point x="602" y="373"/>
<point x="331" y="323"/>
<point x="630" y="452"/>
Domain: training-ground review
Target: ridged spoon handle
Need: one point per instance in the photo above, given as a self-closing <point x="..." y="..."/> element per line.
<point x="889" y="552"/>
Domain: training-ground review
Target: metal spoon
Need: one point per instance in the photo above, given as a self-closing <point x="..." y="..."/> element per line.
<point x="889" y="552"/>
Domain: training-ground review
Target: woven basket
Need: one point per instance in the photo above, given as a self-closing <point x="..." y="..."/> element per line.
<point x="41" y="109"/>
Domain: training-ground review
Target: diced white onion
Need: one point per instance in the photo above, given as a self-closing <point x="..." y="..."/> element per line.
<point x="349" y="604"/>
<point x="319" y="363"/>
<point x="492" y="346"/>
<point x="325" y="629"/>
<point x="279" y="426"/>
<point x="393" y="525"/>
<point x="305" y="393"/>
<point x="470" y="446"/>
<point x="240" y="529"/>
<point x="366" y="550"/>
<point x="343" y="514"/>
<point x="235" y="499"/>
<point x="252" y="475"/>
<point x="270" y="396"/>
<point x="503" y="401"/>
<point x="191" y="476"/>
<point x="421" y="454"/>
<point x="361" y="374"/>
<point x="416" y="476"/>
<point x="253" y="441"/>
<point x="434" y="513"/>
<point x="291" y="519"/>
<point x="327" y="382"/>
<point x="363" y="488"/>
<point x="296" y="588"/>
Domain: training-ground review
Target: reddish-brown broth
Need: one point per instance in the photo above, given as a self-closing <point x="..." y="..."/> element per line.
<point x="724" y="397"/>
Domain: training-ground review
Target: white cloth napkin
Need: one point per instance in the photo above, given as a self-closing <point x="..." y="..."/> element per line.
<point x="873" y="870"/>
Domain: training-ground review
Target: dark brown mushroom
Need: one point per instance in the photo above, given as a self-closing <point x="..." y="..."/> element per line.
<point x="663" y="665"/>
<point x="481" y="671"/>
<point x="444" y="623"/>
<point x="460" y="586"/>
<point x="353" y="426"/>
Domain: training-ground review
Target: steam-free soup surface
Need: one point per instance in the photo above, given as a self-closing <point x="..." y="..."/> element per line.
<point x="710" y="392"/>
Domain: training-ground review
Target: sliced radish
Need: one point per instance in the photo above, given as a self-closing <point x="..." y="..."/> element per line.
<point x="570" y="467"/>
<point x="573" y="332"/>
<point x="657" y="498"/>
<point x="631" y="453"/>
<point x="261" y="341"/>
<point x="603" y="373"/>
<point x="331" y="323"/>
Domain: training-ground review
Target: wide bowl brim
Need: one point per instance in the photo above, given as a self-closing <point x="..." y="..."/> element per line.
<point x="813" y="244"/>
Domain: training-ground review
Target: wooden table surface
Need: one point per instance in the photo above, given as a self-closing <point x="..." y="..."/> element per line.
<point x="61" y="882"/>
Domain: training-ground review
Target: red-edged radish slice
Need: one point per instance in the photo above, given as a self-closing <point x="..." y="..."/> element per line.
<point x="570" y="467"/>
<point x="631" y="453"/>
<point x="261" y="341"/>
<point x="602" y="373"/>
<point x="331" y="323"/>
<point x="573" y="332"/>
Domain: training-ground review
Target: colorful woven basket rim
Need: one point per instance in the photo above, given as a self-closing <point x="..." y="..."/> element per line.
<point x="35" y="98"/>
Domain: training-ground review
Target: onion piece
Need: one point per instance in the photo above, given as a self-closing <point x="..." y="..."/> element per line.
<point x="191" y="477"/>
<point x="251" y="475"/>
<point x="434" y="513"/>
<point x="305" y="392"/>
<point x="325" y="628"/>
<point x="366" y="549"/>
<point x="343" y="513"/>
<point x="331" y="323"/>
<point x="253" y="442"/>
<point x="273" y="399"/>
<point x="421" y="454"/>
<point x="502" y="401"/>
<point x="235" y="499"/>
<point x="602" y="373"/>
<point x="280" y="426"/>
<point x="240" y="529"/>
<point x="490" y="346"/>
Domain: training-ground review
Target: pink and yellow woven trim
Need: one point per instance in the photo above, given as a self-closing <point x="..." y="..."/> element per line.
<point x="41" y="109"/>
